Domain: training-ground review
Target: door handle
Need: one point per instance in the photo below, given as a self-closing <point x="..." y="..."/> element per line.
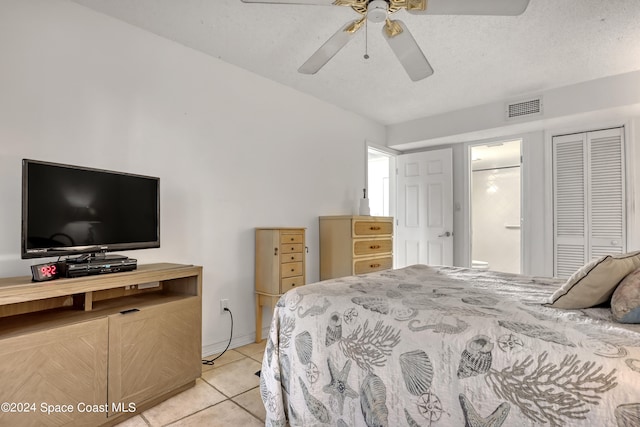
<point x="446" y="234"/>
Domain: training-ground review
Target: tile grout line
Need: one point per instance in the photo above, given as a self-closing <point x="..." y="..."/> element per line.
<point x="211" y="406"/>
<point x="227" y="398"/>
<point x="215" y="404"/>
<point x="235" y="395"/>
<point x="246" y="410"/>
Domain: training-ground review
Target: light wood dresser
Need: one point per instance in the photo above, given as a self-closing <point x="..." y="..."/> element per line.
<point x="280" y="266"/>
<point x="95" y="350"/>
<point x="352" y="245"/>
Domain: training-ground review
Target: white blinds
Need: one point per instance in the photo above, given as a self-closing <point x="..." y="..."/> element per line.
<point x="589" y="198"/>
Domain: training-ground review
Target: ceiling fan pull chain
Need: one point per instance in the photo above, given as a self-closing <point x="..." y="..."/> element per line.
<point x="366" y="39"/>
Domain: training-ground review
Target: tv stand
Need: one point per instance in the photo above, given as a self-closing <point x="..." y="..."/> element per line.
<point x="117" y="343"/>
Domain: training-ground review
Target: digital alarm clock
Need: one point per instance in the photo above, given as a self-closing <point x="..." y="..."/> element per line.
<point x="44" y="272"/>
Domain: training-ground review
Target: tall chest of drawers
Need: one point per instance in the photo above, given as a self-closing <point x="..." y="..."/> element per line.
<point x="352" y="245"/>
<point x="280" y="266"/>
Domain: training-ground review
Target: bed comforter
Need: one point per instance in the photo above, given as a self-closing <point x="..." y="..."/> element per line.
<point x="446" y="346"/>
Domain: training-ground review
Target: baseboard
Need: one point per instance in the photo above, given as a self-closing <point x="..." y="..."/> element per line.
<point x="216" y="348"/>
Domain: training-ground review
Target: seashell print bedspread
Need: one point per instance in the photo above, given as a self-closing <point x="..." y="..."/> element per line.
<point x="446" y="346"/>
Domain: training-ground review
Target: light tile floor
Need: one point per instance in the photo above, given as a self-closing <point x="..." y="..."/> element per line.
<point x="227" y="394"/>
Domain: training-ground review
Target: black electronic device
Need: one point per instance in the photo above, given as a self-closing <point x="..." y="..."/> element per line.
<point x="44" y="272"/>
<point x="72" y="210"/>
<point x="97" y="266"/>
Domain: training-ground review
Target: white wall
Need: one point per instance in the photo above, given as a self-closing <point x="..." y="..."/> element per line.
<point x="599" y="99"/>
<point x="599" y="104"/>
<point x="233" y="150"/>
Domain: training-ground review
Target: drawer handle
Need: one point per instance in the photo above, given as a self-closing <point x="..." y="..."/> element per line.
<point x="374" y="247"/>
<point x="374" y="265"/>
<point x="293" y="249"/>
<point x="275" y="251"/>
<point x="293" y="269"/>
<point x="293" y="258"/>
<point x="374" y="228"/>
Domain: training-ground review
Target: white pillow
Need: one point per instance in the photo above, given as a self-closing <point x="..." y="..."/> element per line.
<point x="594" y="283"/>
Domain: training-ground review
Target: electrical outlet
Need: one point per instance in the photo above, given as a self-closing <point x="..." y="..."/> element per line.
<point x="224" y="303"/>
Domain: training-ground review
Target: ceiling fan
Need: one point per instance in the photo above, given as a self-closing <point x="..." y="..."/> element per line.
<point x="395" y="31"/>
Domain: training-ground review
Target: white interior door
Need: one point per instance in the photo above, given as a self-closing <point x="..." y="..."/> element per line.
<point x="424" y="233"/>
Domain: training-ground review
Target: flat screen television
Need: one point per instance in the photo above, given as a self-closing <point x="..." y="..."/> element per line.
<point x="69" y="210"/>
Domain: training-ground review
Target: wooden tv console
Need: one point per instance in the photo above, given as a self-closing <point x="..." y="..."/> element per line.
<point x="96" y="350"/>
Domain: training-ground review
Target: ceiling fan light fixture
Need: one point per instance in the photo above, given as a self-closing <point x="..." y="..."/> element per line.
<point x="402" y="43"/>
<point x="377" y="10"/>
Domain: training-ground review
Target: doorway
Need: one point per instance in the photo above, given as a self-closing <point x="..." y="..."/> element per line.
<point x="380" y="181"/>
<point x="496" y="206"/>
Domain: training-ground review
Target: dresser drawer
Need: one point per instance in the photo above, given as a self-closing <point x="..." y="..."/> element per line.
<point x="291" y="257"/>
<point x="371" y="265"/>
<point x="290" y="283"/>
<point x="290" y="248"/>
<point x="371" y="228"/>
<point x="290" y="269"/>
<point x="372" y="247"/>
<point x="291" y="238"/>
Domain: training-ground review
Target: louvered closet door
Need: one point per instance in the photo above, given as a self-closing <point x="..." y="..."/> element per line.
<point x="607" y="192"/>
<point x="589" y="198"/>
<point x="570" y="216"/>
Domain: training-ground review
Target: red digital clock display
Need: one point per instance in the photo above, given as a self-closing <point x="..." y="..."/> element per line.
<point x="49" y="270"/>
<point x="42" y="272"/>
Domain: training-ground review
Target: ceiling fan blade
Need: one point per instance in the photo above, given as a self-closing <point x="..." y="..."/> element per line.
<point x="311" y="2"/>
<point x="407" y="50"/>
<point x="473" y="7"/>
<point x="332" y="46"/>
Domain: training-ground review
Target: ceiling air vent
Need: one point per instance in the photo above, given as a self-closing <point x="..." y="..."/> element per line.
<point x="530" y="107"/>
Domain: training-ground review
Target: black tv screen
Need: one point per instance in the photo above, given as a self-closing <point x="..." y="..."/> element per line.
<point x="70" y="210"/>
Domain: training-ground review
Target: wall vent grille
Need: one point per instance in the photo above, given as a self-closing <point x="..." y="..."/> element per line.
<point x="524" y="108"/>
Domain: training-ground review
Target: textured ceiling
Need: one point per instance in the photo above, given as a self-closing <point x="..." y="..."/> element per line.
<point x="477" y="59"/>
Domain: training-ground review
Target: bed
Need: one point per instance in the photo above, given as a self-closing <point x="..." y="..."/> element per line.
<point x="446" y="346"/>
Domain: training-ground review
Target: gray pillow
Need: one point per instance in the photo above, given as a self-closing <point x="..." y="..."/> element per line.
<point x="625" y="301"/>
